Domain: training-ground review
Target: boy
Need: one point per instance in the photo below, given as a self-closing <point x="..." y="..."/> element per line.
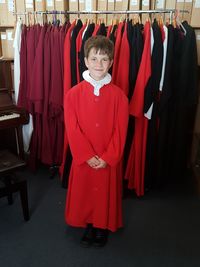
<point x="96" y="117"/>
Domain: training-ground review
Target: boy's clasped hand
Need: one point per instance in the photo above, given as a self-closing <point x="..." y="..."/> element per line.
<point x="96" y="163"/>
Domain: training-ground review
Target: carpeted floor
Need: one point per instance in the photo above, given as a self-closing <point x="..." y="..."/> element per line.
<point x="162" y="229"/>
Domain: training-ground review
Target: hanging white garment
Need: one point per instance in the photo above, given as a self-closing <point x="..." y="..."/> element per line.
<point x="17" y="45"/>
<point x="28" y="128"/>
<point x="164" y="57"/>
<point x="148" y="114"/>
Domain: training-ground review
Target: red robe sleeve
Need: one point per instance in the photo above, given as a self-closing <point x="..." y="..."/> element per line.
<point x="81" y="148"/>
<point x="122" y="79"/>
<point x="114" y="151"/>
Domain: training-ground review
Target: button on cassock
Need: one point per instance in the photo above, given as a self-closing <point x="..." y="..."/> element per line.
<point x="96" y="99"/>
<point x="97" y="124"/>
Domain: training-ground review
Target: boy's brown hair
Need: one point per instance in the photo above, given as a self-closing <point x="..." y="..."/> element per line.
<point x="99" y="43"/>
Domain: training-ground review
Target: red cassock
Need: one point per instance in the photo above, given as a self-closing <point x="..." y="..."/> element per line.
<point x="122" y="79"/>
<point x="67" y="85"/>
<point x="136" y="162"/>
<point x="96" y="125"/>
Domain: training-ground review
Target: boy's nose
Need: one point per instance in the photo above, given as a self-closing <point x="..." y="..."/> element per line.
<point x="99" y="63"/>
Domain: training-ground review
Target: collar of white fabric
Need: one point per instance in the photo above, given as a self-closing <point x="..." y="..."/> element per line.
<point x="96" y="84"/>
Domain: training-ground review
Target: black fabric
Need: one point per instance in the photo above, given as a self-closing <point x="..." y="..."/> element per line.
<point x="88" y="33"/>
<point x="112" y="36"/>
<point x="152" y="88"/>
<point x="73" y="52"/>
<point x="136" y="44"/>
<point x="151" y="96"/>
<point x="161" y="166"/>
<point x="102" y="30"/>
<point x="184" y="100"/>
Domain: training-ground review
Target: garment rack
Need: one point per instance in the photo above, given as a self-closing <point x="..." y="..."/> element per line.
<point x="102" y="12"/>
<point x="127" y="12"/>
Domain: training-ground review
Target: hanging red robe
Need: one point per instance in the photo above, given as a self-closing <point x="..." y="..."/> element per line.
<point x="109" y="29"/>
<point x="136" y="162"/>
<point x="117" y="52"/>
<point x="67" y="85"/>
<point x="56" y="99"/>
<point x="122" y="78"/>
<point x="95" y="126"/>
<point x="97" y="26"/>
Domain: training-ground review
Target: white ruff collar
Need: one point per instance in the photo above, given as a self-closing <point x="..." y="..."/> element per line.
<point x="96" y="84"/>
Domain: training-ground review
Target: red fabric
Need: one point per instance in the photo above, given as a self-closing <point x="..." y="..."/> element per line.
<point x="56" y="99"/>
<point x="97" y="26"/>
<point x="136" y="162"/>
<point x="67" y="63"/>
<point x="117" y="52"/>
<point x="47" y="153"/>
<point x="95" y="126"/>
<point x="162" y="33"/>
<point x="122" y="79"/>
<point x="137" y="101"/>
<point x="36" y="93"/>
<point x="109" y="31"/>
<point x="67" y="85"/>
<point x="22" y="100"/>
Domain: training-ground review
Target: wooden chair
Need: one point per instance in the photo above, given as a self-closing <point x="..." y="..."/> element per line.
<point x="10" y="182"/>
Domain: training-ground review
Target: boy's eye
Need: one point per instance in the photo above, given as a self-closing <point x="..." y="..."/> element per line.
<point x="105" y="59"/>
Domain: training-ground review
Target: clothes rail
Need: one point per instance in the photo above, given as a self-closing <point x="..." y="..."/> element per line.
<point x="102" y="12"/>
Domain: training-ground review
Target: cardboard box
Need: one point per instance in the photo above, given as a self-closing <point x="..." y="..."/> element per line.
<point x="110" y="7"/>
<point x="20" y="8"/>
<point x="134" y="5"/>
<point x="145" y="6"/>
<point x="3" y="12"/>
<point x="121" y="5"/>
<point x="50" y="6"/>
<point x="195" y="18"/>
<point x="82" y="7"/>
<point x="88" y="5"/>
<point x="10" y="39"/>
<point x="180" y="6"/>
<point x="61" y="5"/>
<point x="29" y="5"/>
<point x="170" y="4"/>
<point x="73" y="6"/>
<point x="188" y="7"/>
<point x="11" y="7"/>
<point x="159" y="5"/>
<point x="102" y="6"/>
<point x="40" y="5"/>
<point x="4" y="44"/>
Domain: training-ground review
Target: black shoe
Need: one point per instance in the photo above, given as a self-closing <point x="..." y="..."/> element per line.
<point x="88" y="237"/>
<point x="101" y="238"/>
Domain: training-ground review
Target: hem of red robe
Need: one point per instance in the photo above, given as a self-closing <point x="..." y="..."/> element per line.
<point x="83" y="225"/>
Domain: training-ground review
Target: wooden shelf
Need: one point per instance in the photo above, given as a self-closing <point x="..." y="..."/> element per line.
<point x="6" y="59"/>
<point x="6" y="26"/>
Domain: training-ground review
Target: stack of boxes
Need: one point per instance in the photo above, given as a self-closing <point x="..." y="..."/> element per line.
<point x="7" y="7"/>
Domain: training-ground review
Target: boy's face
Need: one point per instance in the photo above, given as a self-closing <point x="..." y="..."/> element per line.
<point x="98" y="64"/>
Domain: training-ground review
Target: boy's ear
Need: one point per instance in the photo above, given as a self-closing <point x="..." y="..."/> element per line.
<point x="111" y="62"/>
<point x="86" y="62"/>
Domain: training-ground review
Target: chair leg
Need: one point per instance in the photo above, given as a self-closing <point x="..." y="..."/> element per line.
<point x="8" y="184"/>
<point x="24" y="200"/>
